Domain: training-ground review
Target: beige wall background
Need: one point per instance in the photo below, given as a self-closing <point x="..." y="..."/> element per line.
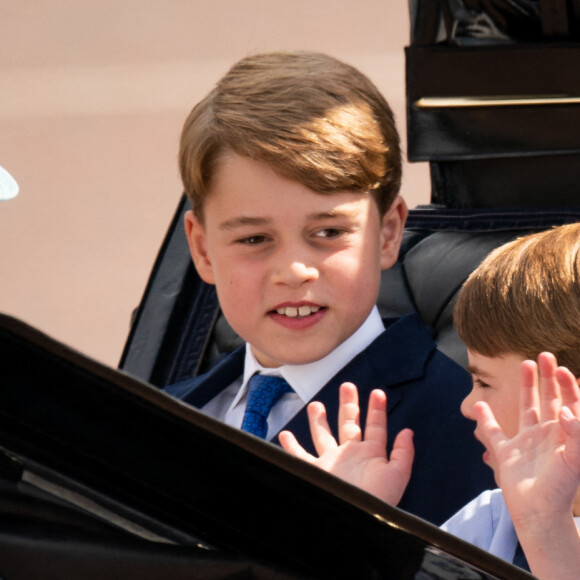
<point x="92" y="97"/>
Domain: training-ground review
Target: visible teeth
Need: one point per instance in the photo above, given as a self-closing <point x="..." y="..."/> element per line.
<point x="293" y="312"/>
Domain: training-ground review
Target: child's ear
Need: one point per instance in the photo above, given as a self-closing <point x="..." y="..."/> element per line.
<point x="392" y="227"/>
<point x="197" y="241"/>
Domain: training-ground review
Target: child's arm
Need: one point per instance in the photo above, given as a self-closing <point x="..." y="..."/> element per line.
<point x="361" y="461"/>
<point x="539" y="469"/>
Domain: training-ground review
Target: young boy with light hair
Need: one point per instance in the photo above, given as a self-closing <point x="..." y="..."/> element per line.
<point x="522" y="302"/>
<point x="293" y="167"/>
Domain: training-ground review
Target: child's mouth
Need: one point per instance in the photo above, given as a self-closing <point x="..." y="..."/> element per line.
<point x="297" y="311"/>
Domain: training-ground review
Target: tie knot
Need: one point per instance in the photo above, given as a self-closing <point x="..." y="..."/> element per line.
<point x="263" y="393"/>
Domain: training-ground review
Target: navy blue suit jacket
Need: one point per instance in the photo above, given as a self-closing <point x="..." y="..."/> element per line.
<point x="424" y="391"/>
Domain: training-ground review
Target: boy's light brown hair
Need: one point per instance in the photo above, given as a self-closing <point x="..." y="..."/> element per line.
<point x="524" y="299"/>
<point x="312" y="118"/>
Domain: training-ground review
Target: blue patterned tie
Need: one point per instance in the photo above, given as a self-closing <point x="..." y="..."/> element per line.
<point x="263" y="393"/>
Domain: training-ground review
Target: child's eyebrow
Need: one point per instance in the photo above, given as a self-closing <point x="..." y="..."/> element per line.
<point x="241" y="221"/>
<point x="333" y="213"/>
<point x="475" y="371"/>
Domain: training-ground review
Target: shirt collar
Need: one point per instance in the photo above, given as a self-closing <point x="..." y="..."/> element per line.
<point x="307" y="379"/>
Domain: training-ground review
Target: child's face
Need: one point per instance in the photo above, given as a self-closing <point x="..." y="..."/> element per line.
<point x="496" y="381"/>
<point x="296" y="272"/>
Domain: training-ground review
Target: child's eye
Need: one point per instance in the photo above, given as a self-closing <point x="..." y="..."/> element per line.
<point x="479" y="383"/>
<point x="252" y="240"/>
<point x="328" y="233"/>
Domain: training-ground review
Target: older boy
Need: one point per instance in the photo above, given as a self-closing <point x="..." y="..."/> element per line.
<point x="522" y="300"/>
<point x="292" y="165"/>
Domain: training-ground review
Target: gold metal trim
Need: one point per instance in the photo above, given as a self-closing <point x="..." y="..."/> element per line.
<point x="495" y="101"/>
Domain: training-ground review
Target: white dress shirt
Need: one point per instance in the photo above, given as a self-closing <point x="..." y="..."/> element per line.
<point x="306" y="380"/>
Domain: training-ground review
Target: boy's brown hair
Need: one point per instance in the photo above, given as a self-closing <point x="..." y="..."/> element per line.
<point x="524" y="299"/>
<point x="312" y="118"/>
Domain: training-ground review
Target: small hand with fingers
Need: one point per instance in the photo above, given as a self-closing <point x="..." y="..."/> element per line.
<point x="360" y="459"/>
<point x="538" y="469"/>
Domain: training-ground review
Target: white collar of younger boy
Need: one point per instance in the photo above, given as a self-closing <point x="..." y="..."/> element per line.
<point x="307" y="379"/>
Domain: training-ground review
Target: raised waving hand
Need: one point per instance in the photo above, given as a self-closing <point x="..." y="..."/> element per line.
<point x="539" y="468"/>
<point x="358" y="458"/>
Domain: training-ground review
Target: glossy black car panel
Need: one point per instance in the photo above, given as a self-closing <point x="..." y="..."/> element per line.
<point x="105" y="476"/>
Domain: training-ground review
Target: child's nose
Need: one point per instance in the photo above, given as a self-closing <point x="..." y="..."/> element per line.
<point x="294" y="270"/>
<point x="467" y="406"/>
<point x="298" y="272"/>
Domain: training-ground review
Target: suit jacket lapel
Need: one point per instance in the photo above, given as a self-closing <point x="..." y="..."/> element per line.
<point x="396" y="357"/>
<point x="209" y="385"/>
